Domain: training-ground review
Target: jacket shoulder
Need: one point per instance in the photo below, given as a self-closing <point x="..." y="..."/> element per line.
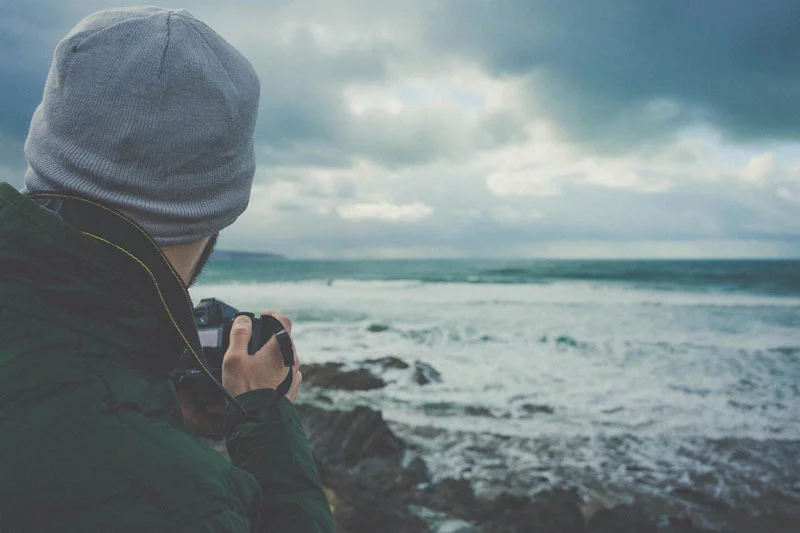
<point x="92" y="444"/>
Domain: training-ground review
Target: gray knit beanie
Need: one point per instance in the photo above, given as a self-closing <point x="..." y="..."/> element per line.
<point x="148" y="111"/>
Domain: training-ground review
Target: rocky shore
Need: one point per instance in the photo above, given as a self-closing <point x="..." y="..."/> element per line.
<point x="378" y="478"/>
<point x="378" y="481"/>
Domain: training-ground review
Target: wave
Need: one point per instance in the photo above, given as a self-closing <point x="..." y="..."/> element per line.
<point x="563" y="293"/>
<point x="774" y="278"/>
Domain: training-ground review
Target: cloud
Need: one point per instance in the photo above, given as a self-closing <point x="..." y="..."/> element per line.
<point x="385" y="211"/>
<point x="470" y="128"/>
<point x="624" y="72"/>
<point x="526" y="182"/>
<point x="789" y="194"/>
<point x="758" y="168"/>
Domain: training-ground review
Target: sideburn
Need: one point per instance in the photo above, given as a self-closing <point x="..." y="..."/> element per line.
<point x="204" y="257"/>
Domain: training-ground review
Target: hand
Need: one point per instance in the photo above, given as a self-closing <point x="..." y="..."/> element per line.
<point x="242" y="372"/>
<point x="203" y="416"/>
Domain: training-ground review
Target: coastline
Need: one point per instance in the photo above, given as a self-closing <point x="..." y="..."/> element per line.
<point x="397" y="477"/>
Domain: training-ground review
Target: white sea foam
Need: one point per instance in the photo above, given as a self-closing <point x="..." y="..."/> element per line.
<point x="563" y="292"/>
<point x="615" y="389"/>
<point x="605" y="358"/>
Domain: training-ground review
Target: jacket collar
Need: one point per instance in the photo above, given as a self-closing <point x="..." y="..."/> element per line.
<point x="92" y="284"/>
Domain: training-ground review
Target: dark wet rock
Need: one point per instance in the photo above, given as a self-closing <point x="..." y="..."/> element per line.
<point x="621" y="519"/>
<point x="565" y="340"/>
<point x="472" y="410"/>
<point x="361" y="464"/>
<point x="377" y="328"/>
<point x="348" y="437"/>
<point x="741" y="405"/>
<point x="698" y="498"/>
<point x="452" y="496"/>
<point x="417" y="471"/>
<point x="786" y="350"/>
<point x="532" y="409"/>
<point x="682" y="525"/>
<point x="556" y="511"/>
<point x="359" y="508"/>
<point x="387" y="362"/>
<point x="331" y="376"/>
<point x="376" y="482"/>
<point x="425" y="374"/>
<point x="335" y="376"/>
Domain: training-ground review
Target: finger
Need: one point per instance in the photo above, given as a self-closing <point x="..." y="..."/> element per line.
<point x="285" y="322"/>
<point x="295" y="388"/>
<point x="240" y="334"/>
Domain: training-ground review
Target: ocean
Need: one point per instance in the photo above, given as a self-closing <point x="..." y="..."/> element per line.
<point x="625" y="379"/>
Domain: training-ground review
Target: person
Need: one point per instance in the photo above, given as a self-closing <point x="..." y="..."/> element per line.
<point x="147" y="119"/>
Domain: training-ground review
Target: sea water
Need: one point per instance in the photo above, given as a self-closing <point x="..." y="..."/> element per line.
<point x="625" y="374"/>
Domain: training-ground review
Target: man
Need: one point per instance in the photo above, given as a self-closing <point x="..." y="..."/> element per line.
<point x="142" y="145"/>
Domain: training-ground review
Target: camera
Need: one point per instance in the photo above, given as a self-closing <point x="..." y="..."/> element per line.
<point x="214" y="320"/>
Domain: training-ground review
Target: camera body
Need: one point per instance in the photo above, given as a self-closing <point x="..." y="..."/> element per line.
<point x="214" y="320"/>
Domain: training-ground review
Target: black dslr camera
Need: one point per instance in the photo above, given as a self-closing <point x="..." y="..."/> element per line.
<point x="214" y="320"/>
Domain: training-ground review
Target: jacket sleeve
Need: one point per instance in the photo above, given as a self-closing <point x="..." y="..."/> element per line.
<point x="271" y="445"/>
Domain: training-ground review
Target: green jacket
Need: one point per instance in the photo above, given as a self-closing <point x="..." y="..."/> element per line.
<point x="91" y="432"/>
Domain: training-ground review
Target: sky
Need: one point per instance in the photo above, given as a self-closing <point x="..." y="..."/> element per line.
<point x="508" y="129"/>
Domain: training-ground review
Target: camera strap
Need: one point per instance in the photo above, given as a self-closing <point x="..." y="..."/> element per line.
<point x="272" y="327"/>
<point x="114" y="229"/>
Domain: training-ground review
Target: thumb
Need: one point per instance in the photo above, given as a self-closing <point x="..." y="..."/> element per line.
<point x="240" y="334"/>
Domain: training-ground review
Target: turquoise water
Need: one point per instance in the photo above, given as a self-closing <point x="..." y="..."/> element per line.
<point x="779" y="278"/>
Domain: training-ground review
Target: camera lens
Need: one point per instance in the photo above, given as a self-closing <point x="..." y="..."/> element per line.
<point x="200" y="318"/>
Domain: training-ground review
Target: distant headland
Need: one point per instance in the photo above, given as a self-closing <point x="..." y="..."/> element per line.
<point x="228" y="255"/>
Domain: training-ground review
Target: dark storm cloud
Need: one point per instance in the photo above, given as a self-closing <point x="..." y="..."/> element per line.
<point x="304" y="117"/>
<point x="28" y="36"/>
<point x="596" y="67"/>
<point x="369" y="103"/>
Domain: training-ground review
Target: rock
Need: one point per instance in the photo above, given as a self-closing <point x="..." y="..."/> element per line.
<point x="348" y="437"/>
<point x="556" y="511"/>
<point x="532" y="408"/>
<point x="565" y="340"/>
<point x="453" y="496"/>
<point x="417" y="471"/>
<point x="374" y="483"/>
<point x="387" y="362"/>
<point x="682" y="525"/>
<point x="331" y="376"/>
<point x="621" y="519"/>
<point x="359" y="509"/>
<point x="698" y="497"/>
<point x="425" y="374"/>
<point x="478" y="411"/>
<point x="441" y="522"/>
<point x="377" y="328"/>
<point x="361" y="464"/>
